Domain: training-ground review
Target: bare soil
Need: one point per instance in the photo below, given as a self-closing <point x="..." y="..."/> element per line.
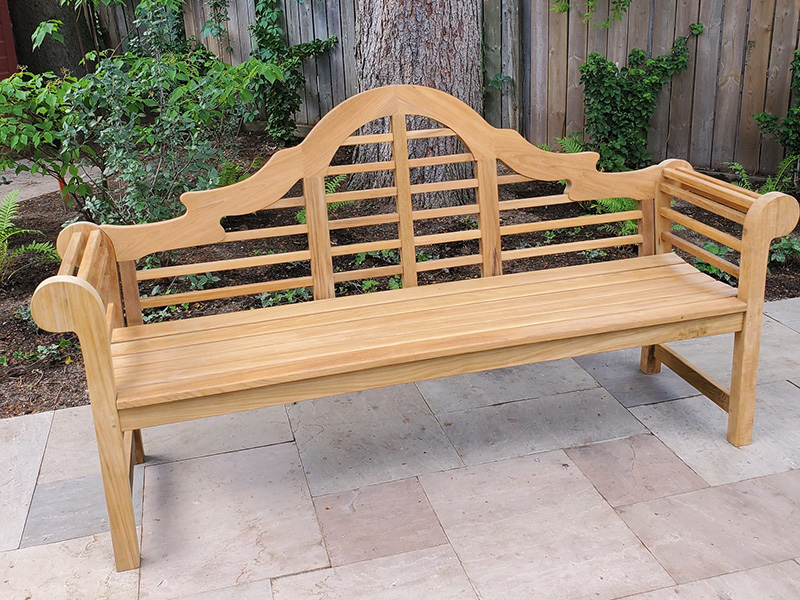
<point x="45" y="370"/>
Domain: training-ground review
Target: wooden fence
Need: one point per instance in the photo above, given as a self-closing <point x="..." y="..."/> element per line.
<point x="738" y="67"/>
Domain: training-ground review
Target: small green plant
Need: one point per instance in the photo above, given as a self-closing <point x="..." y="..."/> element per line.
<point x="388" y="256"/>
<point x="619" y="102"/>
<point x="200" y="281"/>
<point x="616" y="9"/>
<point x="157" y="315"/>
<point x="394" y="283"/>
<point x="783" y="180"/>
<point x="468" y="222"/>
<point x="499" y="80"/>
<point x="292" y="296"/>
<point x="369" y="285"/>
<point x="44" y="352"/>
<point x="785" y="249"/>
<point x="715" y="272"/>
<point x="593" y="255"/>
<point x="230" y="172"/>
<point x="39" y="251"/>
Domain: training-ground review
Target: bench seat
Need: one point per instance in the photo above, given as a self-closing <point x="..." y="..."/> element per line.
<point x="163" y="362"/>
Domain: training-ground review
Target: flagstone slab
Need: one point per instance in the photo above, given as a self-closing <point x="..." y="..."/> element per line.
<point x="22" y="444"/>
<point x="355" y="440"/>
<point x="378" y="520"/>
<point x="528" y="426"/>
<point x="430" y="574"/>
<point x="72" y="447"/>
<point x="73" y="508"/>
<point x="634" y="469"/>
<point x="786" y="312"/>
<point x="534" y="527"/>
<point x="723" y="529"/>
<point x="774" y="582"/>
<point x="77" y="569"/>
<point x="486" y="388"/>
<point x="695" y="429"/>
<point x="618" y="372"/>
<point x="235" y="518"/>
<point x="257" y="590"/>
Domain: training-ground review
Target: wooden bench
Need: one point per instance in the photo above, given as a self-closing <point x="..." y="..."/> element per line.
<point x="142" y="375"/>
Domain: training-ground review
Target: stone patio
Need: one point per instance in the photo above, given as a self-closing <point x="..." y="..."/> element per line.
<point x="577" y="479"/>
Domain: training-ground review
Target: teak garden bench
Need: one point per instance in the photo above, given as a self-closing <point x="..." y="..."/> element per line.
<point x="141" y="375"/>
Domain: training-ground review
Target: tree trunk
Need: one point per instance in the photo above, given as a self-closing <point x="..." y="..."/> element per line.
<point x="435" y="43"/>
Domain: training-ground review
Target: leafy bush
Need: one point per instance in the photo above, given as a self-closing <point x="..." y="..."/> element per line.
<point x="616" y="9"/>
<point x="787" y="248"/>
<point x="281" y="97"/>
<point x="42" y="251"/>
<point x="620" y="102"/>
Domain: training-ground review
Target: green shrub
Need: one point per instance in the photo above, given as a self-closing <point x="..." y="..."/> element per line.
<point x="786" y="129"/>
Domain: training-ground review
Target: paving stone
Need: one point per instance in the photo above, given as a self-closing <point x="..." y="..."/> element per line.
<point x="22" y="443"/>
<point x="534" y="527"/>
<point x="487" y="388"/>
<point x="78" y="569"/>
<point x="723" y="529"/>
<point x="618" y="372"/>
<point x="786" y="312"/>
<point x="773" y="582"/>
<point x="258" y="590"/>
<point x="379" y="520"/>
<point x="73" y="508"/>
<point x="634" y="469"/>
<point x="776" y="361"/>
<point x="227" y="519"/>
<point x="72" y="449"/>
<point x="430" y="574"/>
<point x="519" y="428"/>
<point x="355" y="440"/>
<point x="695" y="429"/>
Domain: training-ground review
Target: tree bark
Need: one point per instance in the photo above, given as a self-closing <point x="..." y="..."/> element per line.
<point x="435" y="43"/>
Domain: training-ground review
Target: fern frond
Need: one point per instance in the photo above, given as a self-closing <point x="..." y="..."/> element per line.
<point x="9" y="208"/>
<point x="612" y="205"/>
<point x="742" y="178"/>
<point x="571" y="143"/>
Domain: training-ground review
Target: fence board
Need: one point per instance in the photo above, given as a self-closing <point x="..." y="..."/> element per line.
<point x="787" y="14"/>
<point x="539" y="47"/>
<point x="510" y="58"/>
<point x="334" y="18"/>
<point x="705" y="82"/>
<point x="729" y="82"/>
<point x="682" y="90"/>
<point x="759" y="42"/>
<point x="323" y="61"/>
<point x="577" y="40"/>
<point x="492" y="60"/>
<point x="663" y="33"/>
<point x="557" y="77"/>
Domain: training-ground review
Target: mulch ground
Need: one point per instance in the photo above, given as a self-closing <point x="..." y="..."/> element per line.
<point x="45" y="370"/>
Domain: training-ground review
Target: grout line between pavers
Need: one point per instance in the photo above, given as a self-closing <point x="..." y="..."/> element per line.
<point x="442" y="429"/>
<point x="36" y="481"/>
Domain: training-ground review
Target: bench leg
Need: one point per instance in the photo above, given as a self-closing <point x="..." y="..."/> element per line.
<point x="743" y="386"/>
<point x="115" y="469"/>
<point x="138" y="447"/>
<point x="648" y="363"/>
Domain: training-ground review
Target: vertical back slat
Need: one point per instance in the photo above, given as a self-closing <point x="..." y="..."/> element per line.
<point x="489" y="216"/>
<point x="402" y="180"/>
<point x="319" y="242"/>
<point x="130" y="293"/>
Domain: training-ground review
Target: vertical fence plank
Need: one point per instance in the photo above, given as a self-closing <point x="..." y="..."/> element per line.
<point x="492" y="60"/>
<point x="681" y="96"/>
<point x="577" y="40"/>
<point x="663" y="35"/>
<point x="348" y="9"/>
<point x="334" y="18"/>
<point x="759" y="42"/>
<point x="729" y="81"/>
<point x="510" y="37"/>
<point x="557" y="77"/>
<point x="639" y="25"/>
<point x="323" y="60"/>
<point x="705" y="85"/>
<point x="598" y="36"/>
<point x="306" y="16"/>
<point x="787" y="15"/>
<point x="540" y="43"/>
<point x="618" y="41"/>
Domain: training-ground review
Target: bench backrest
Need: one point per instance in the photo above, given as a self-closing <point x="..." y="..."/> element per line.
<point x="492" y="157"/>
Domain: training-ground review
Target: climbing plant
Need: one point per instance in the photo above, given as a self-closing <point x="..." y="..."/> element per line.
<point x="619" y="102"/>
<point x="616" y="9"/>
<point x="786" y="129"/>
<point x="281" y="98"/>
